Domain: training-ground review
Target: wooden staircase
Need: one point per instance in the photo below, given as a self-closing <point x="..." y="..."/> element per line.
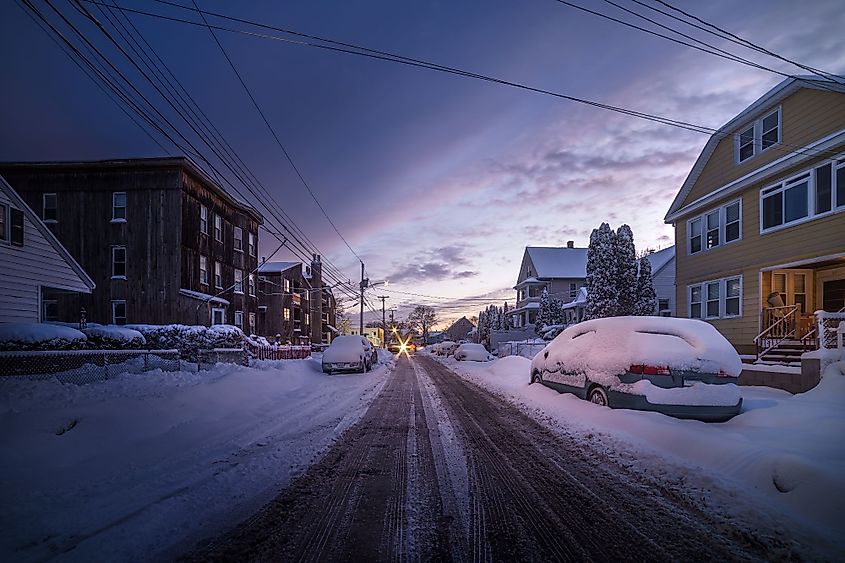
<point x="786" y="352"/>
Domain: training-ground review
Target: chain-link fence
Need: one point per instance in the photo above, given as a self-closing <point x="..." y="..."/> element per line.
<point x="85" y="366"/>
<point x="206" y="359"/>
<point x="527" y="349"/>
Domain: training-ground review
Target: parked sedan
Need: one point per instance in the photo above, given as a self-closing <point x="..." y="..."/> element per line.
<point x="349" y="353"/>
<point x="473" y="353"/>
<point x="680" y="367"/>
<point x="447" y="348"/>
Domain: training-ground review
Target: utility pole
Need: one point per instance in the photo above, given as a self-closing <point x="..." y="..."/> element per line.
<point x="364" y="282"/>
<point x="383" y="322"/>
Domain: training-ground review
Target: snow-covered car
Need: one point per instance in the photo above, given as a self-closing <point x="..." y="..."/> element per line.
<point x="473" y="353"/>
<point x="349" y="353"/>
<point x="446" y="348"/>
<point x="680" y="367"/>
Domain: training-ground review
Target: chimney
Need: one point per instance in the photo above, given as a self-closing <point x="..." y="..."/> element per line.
<point x="570" y="244"/>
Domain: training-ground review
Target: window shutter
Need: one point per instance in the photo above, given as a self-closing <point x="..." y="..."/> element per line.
<point x="16" y="224"/>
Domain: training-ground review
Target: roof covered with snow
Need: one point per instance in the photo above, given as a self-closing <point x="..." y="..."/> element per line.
<point x="558" y="262"/>
<point x="660" y="259"/>
<point x="276" y="267"/>
<point x="203" y="296"/>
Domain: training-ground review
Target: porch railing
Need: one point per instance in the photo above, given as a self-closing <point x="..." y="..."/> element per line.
<point x="826" y="327"/>
<point x="779" y="324"/>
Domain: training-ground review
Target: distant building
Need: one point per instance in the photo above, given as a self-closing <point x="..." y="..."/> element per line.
<point x="35" y="264"/>
<point x="460" y="329"/>
<point x="663" y="277"/>
<point x="163" y="242"/>
<point x="374" y="334"/>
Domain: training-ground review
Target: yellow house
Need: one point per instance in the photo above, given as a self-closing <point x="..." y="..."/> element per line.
<point x="760" y="222"/>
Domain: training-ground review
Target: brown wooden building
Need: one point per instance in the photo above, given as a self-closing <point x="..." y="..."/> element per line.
<point x="163" y="242"/>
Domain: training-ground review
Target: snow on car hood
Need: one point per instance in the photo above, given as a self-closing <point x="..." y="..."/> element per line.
<point x="607" y="347"/>
<point x="344" y="349"/>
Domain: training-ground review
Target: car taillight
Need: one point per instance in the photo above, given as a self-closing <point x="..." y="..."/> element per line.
<point x="649" y="370"/>
<point x="723" y="374"/>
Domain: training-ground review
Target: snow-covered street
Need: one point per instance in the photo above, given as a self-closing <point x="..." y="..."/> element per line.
<point x="143" y="466"/>
<point x="779" y="464"/>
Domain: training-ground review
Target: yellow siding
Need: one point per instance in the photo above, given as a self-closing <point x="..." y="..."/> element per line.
<point x="807" y="116"/>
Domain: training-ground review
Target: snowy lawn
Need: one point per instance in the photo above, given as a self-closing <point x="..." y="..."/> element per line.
<point x="144" y="465"/>
<point x="783" y="452"/>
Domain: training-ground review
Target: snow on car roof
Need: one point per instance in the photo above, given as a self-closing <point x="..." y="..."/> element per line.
<point x="603" y="348"/>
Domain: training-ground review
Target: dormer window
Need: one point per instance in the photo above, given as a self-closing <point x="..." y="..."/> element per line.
<point x="758" y="136"/>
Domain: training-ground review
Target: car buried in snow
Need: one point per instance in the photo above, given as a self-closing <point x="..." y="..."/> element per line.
<point x="473" y="353"/>
<point x="680" y="367"/>
<point x="446" y="348"/>
<point x="349" y="353"/>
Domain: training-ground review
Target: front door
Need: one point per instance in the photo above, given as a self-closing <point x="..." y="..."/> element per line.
<point x="833" y="295"/>
<point x="218" y="316"/>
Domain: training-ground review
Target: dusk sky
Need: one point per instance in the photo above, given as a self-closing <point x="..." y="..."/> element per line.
<point x="437" y="181"/>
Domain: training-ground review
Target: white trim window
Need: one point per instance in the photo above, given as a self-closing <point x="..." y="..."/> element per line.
<point x="252" y="323"/>
<point x="218" y="275"/>
<point x="239" y="281"/>
<point x="809" y="194"/>
<point x="49" y="208"/>
<point x="239" y="239"/>
<point x="716" y="299"/>
<point x="715" y="228"/>
<point x="251" y="242"/>
<point x="118" y="262"/>
<point x="118" y="312"/>
<point x="4" y="222"/>
<point x="218" y="228"/>
<point x="239" y="319"/>
<point x="203" y="219"/>
<point x="218" y="316"/>
<point x="573" y="290"/>
<point x="286" y="313"/>
<point x="203" y="270"/>
<point x="758" y="136"/>
<point x="251" y="283"/>
<point x="286" y="285"/>
<point x="118" y="207"/>
<point x="49" y="310"/>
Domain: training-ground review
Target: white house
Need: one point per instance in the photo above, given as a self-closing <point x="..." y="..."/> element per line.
<point x="32" y="260"/>
<point x="663" y="278"/>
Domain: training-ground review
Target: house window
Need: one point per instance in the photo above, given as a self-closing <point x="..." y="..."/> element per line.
<point x="4" y="223"/>
<point x="758" y="136"/>
<point x="307" y="318"/>
<point x="799" y="294"/>
<point x="203" y="219"/>
<point x="251" y="284"/>
<point x="573" y="290"/>
<point x="716" y="228"/>
<point x="16" y="227"/>
<point x="203" y="270"/>
<point x="786" y="203"/>
<point x="118" y="312"/>
<point x="251" y="244"/>
<point x="218" y="228"/>
<point x="695" y="302"/>
<point x="218" y="275"/>
<point x="49" y="212"/>
<point x="239" y="319"/>
<point x="239" y="281"/>
<point x="118" y="206"/>
<point x="717" y="299"/>
<point x="286" y="286"/>
<point x="663" y="308"/>
<point x="252" y="323"/>
<point x="779" y="286"/>
<point x="118" y="262"/>
<point x="239" y="239"/>
<point x="49" y="310"/>
<point x="286" y="313"/>
<point x="840" y="183"/>
<point x="824" y="178"/>
<point x="218" y="316"/>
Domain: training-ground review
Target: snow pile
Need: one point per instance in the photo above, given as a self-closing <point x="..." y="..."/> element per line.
<point x="724" y="395"/>
<point x="190" y="339"/>
<point x="114" y="338"/>
<point x="779" y="460"/>
<point x="39" y="336"/>
<point x="604" y="348"/>
<point x="143" y="466"/>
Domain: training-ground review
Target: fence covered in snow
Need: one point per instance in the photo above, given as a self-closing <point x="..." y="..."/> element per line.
<point x="525" y="348"/>
<point x="280" y="352"/>
<point x="84" y="366"/>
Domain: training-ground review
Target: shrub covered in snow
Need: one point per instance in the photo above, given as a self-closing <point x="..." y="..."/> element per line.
<point x="114" y="338"/>
<point x="39" y="336"/>
<point x="189" y="340"/>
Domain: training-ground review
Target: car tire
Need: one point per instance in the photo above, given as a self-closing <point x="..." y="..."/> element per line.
<point x="327" y="371"/>
<point x="598" y="396"/>
<point x="535" y="378"/>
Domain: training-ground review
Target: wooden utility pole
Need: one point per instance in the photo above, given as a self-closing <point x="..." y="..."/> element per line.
<point x="363" y="287"/>
<point x="383" y="322"/>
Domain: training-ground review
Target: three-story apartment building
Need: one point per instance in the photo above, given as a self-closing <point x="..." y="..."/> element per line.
<point x="163" y="242"/>
<point x="760" y="220"/>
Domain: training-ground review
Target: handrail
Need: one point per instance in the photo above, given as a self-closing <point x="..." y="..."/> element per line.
<point x="783" y="329"/>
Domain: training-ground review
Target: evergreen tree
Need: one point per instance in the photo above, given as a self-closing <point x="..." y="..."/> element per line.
<point x="542" y="313"/>
<point x="556" y="312"/>
<point x="646" y="297"/>
<point x="508" y="321"/>
<point x="602" y="274"/>
<point x="626" y="263"/>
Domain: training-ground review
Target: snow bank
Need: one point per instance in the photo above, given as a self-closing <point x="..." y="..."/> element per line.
<point x="114" y="337"/>
<point x="780" y="460"/>
<point x="604" y="348"/>
<point x="723" y="395"/>
<point x="39" y="336"/>
<point x="142" y="466"/>
<point x="190" y="339"/>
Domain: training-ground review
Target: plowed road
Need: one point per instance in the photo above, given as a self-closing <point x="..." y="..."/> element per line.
<point x="439" y="469"/>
